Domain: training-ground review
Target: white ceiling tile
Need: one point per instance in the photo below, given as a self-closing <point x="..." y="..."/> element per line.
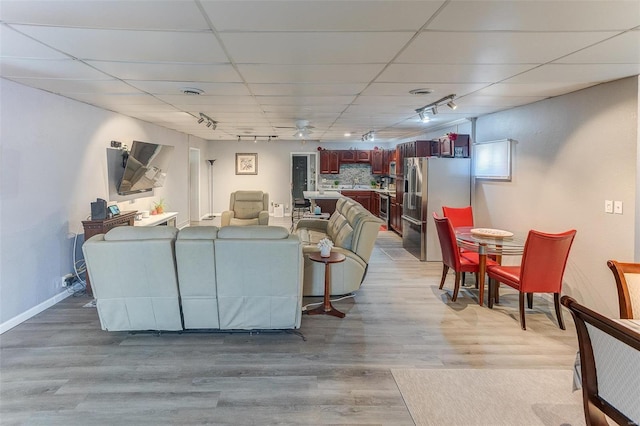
<point x="114" y="99"/>
<point x="208" y="99"/>
<point x="304" y="100"/>
<point x="302" y="89"/>
<point x="48" y="68"/>
<point x="555" y="15"/>
<point x="165" y="14"/>
<point x="426" y="74"/>
<point x="62" y="86"/>
<point x="485" y="101"/>
<point x="133" y="108"/>
<point x="175" y="87"/>
<point x="622" y="49"/>
<point x="495" y="47"/>
<point x="131" y="45"/>
<point x="576" y="73"/>
<point x="319" y="15"/>
<point x="314" y="48"/>
<point x="402" y="89"/>
<point x="320" y="74"/>
<point x="222" y="73"/>
<point x="17" y="45"/>
<point x="532" y="89"/>
<point x="303" y="109"/>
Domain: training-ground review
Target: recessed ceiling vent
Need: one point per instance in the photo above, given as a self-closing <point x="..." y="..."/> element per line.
<point x="423" y="91"/>
<point x="192" y="91"/>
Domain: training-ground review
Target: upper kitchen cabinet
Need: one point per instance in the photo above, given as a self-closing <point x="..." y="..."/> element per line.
<point x="354" y="156"/>
<point x="329" y="162"/>
<point x="378" y="162"/>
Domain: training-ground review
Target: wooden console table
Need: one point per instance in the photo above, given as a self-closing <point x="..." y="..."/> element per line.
<point x="102" y="226"/>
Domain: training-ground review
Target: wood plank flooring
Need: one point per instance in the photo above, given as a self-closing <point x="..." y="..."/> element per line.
<point x="60" y="368"/>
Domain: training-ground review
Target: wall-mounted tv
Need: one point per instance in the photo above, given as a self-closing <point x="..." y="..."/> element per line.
<point x="146" y="167"/>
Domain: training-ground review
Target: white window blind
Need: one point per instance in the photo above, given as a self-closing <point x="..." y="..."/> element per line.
<point x="492" y="160"/>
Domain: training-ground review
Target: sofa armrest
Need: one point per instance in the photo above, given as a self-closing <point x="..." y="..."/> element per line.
<point x="306" y="250"/>
<point x="263" y="217"/>
<point x="313" y="224"/>
<point x="227" y="215"/>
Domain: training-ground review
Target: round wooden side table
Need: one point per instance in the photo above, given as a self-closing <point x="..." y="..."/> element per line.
<point x="327" y="308"/>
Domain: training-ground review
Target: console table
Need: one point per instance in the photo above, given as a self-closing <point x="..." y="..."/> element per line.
<point x="102" y="226"/>
<point x="167" y="218"/>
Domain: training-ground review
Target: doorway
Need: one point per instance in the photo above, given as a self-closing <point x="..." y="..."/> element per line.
<point x="303" y="173"/>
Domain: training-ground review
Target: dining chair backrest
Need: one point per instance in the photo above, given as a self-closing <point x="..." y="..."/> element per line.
<point x="459" y="216"/>
<point x="544" y="261"/>
<point x="448" y="245"/>
<point x="609" y="359"/>
<point x="627" y="277"/>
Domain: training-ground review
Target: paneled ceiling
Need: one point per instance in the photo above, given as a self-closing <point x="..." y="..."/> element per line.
<point x="344" y="66"/>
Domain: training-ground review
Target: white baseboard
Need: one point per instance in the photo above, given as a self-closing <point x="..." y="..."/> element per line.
<point x="19" y="319"/>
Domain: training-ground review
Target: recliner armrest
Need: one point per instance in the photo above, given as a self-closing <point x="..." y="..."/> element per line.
<point x="227" y="215"/>
<point x="313" y="224"/>
<point x="263" y="217"/>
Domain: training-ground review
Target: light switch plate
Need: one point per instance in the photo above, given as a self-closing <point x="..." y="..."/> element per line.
<point x="617" y="207"/>
<point x="608" y="206"/>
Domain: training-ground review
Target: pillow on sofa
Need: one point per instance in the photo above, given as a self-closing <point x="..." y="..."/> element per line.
<point x="121" y="233"/>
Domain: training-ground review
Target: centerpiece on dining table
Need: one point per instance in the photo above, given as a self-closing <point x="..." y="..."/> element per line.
<point x="491" y="233"/>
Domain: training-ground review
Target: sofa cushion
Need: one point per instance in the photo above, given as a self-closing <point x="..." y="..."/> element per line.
<point x="122" y="233"/>
<point x="253" y="232"/>
<point x="198" y="233"/>
<point x="344" y="237"/>
<point x="240" y="222"/>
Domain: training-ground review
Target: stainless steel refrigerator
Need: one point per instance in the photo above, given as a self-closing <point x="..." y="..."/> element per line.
<point x="429" y="184"/>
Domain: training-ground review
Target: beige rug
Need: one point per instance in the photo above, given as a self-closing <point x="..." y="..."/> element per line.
<point x="490" y="397"/>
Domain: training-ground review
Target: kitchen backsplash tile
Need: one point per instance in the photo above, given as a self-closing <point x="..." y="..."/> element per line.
<point x="350" y="174"/>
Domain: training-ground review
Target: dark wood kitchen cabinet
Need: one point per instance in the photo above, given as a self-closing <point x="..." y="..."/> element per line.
<point x="377" y="162"/>
<point x="329" y="162"/>
<point x="363" y="197"/>
<point x="354" y="156"/>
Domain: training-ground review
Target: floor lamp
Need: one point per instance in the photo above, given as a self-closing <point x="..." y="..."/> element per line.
<point x="210" y="217"/>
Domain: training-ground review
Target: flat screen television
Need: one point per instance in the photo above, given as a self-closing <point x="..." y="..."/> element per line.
<point x="146" y="167"/>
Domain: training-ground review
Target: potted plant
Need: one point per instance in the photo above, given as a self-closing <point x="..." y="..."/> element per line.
<point x="374" y="184"/>
<point x="336" y="183"/>
<point x="159" y="206"/>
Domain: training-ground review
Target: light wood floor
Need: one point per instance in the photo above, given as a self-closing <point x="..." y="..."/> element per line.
<point x="60" y="368"/>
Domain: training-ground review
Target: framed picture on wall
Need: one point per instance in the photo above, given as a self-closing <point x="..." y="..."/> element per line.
<point x="246" y="163"/>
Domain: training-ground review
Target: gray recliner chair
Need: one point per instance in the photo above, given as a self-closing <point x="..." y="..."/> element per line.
<point x="247" y="208"/>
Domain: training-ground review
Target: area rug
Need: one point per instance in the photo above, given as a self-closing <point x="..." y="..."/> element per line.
<point x="490" y="397"/>
<point x="398" y="254"/>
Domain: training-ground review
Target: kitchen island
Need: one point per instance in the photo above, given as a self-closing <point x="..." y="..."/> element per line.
<point x="326" y="200"/>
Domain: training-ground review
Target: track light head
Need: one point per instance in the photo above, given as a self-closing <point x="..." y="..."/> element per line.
<point x="452" y="105"/>
<point x="424" y="117"/>
<point x="434" y="109"/>
<point x="209" y="124"/>
<point x="200" y="120"/>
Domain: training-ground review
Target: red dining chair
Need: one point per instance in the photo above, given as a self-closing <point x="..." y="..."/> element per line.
<point x="451" y="257"/>
<point x="540" y="271"/>
<point x="459" y="216"/>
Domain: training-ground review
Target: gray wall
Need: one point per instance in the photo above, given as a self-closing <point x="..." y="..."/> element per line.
<point x="53" y="164"/>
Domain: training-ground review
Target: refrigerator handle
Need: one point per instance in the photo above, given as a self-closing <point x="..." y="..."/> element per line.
<point x="411" y="220"/>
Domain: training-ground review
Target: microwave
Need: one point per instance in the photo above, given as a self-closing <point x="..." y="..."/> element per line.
<point x="392" y="168"/>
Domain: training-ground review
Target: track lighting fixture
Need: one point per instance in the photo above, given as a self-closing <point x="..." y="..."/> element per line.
<point x="433" y="107"/>
<point x="268" y="138"/>
<point x="369" y="136"/>
<point x="210" y="122"/>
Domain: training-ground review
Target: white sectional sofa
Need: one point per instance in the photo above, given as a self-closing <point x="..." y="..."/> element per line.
<point x="353" y="230"/>
<point x="159" y="278"/>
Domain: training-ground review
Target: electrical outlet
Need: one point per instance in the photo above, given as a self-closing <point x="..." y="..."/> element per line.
<point x="617" y="207"/>
<point x="66" y="280"/>
<point x="608" y="206"/>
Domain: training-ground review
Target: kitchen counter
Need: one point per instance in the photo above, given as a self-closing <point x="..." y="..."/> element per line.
<point x="357" y="188"/>
<point x="327" y="195"/>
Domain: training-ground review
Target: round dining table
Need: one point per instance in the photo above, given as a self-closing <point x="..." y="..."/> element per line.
<point x="487" y="241"/>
